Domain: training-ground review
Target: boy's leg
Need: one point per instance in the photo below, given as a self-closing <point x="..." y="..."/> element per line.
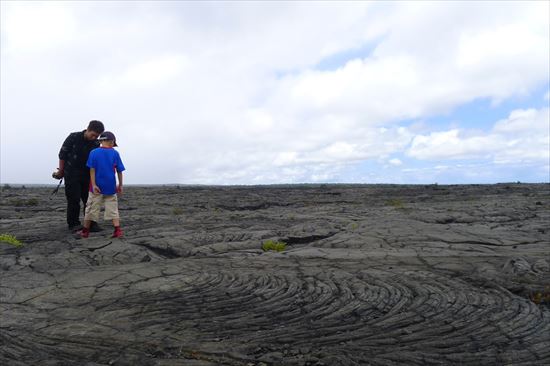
<point x="84" y="194"/>
<point x="111" y="212"/>
<point x="93" y="206"/>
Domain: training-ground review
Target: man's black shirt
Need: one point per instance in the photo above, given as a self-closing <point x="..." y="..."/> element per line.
<point x="75" y="152"/>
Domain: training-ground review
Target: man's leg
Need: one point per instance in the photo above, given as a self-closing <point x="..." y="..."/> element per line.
<point x="84" y="191"/>
<point x="72" y="193"/>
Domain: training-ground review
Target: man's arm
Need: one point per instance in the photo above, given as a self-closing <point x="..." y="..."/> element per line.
<point x="63" y="154"/>
<point x="60" y="172"/>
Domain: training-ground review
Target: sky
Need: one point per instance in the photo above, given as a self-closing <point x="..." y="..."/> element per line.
<point x="281" y="92"/>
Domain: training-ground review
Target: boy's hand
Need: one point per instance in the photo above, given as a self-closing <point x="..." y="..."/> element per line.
<point x="119" y="189"/>
<point x="97" y="190"/>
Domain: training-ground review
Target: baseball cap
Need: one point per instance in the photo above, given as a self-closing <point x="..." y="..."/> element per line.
<point x="107" y="135"/>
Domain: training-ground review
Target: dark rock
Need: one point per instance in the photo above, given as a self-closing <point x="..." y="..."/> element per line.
<point x="445" y="275"/>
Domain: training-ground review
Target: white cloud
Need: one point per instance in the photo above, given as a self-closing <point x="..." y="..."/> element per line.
<point x="524" y="121"/>
<point x="33" y="27"/>
<point x="151" y="73"/>
<point x="285" y="158"/>
<point x="450" y="145"/>
<point x="395" y="162"/>
<point x="404" y="78"/>
<point x="231" y="93"/>
<point x="522" y="137"/>
<point x="506" y="42"/>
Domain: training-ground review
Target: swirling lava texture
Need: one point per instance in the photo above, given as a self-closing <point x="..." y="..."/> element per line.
<point x="316" y="315"/>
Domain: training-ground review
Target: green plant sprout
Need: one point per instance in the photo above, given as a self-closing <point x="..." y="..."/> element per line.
<point x="395" y="203"/>
<point x="10" y="239"/>
<point x="277" y="246"/>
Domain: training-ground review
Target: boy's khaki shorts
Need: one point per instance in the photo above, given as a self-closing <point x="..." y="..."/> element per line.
<point x="93" y="207"/>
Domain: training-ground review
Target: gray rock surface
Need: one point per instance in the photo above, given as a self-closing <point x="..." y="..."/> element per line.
<point x="372" y="275"/>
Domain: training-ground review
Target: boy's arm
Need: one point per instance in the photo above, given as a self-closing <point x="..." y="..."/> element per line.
<point x="119" y="187"/>
<point x="95" y="188"/>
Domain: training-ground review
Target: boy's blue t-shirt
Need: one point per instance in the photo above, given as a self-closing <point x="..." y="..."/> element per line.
<point x="105" y="161"/>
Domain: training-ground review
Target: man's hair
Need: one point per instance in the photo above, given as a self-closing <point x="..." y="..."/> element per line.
<point x="96" y="126"/>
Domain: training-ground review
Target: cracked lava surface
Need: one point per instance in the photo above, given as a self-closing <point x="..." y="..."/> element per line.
<point x="371" y="275"/>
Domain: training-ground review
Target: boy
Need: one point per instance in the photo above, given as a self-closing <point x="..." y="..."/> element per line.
<point x="103" y="162"/>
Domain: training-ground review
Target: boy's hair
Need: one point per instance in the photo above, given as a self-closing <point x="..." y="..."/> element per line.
<point x="96" y="126"/>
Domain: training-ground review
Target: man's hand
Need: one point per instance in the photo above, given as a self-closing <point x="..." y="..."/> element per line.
<point x="119" y="189"/>
<point x="96" y="189"/>
<point x="58" y="174"/>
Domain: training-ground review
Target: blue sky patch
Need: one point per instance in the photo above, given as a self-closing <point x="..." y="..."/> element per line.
<point x="482" y="114"/>
<point x="340" y="59"/>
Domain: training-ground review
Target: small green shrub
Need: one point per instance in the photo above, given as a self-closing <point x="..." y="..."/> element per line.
<point x="395" y="203"/>
<point x="22" y="202"/>
<point x="177" y="211"/>
<point x="541" y="297"/>
<point x="277" y="246"/>
<point x="32" y="202"/>
<point x="10" y="239"/>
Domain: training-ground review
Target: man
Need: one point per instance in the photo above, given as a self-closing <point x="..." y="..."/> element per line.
<point x="72" y="166"/>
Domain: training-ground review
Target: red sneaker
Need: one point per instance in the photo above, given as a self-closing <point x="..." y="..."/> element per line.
<point x="82" y="233"/>
<point x="117" y="233"/>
